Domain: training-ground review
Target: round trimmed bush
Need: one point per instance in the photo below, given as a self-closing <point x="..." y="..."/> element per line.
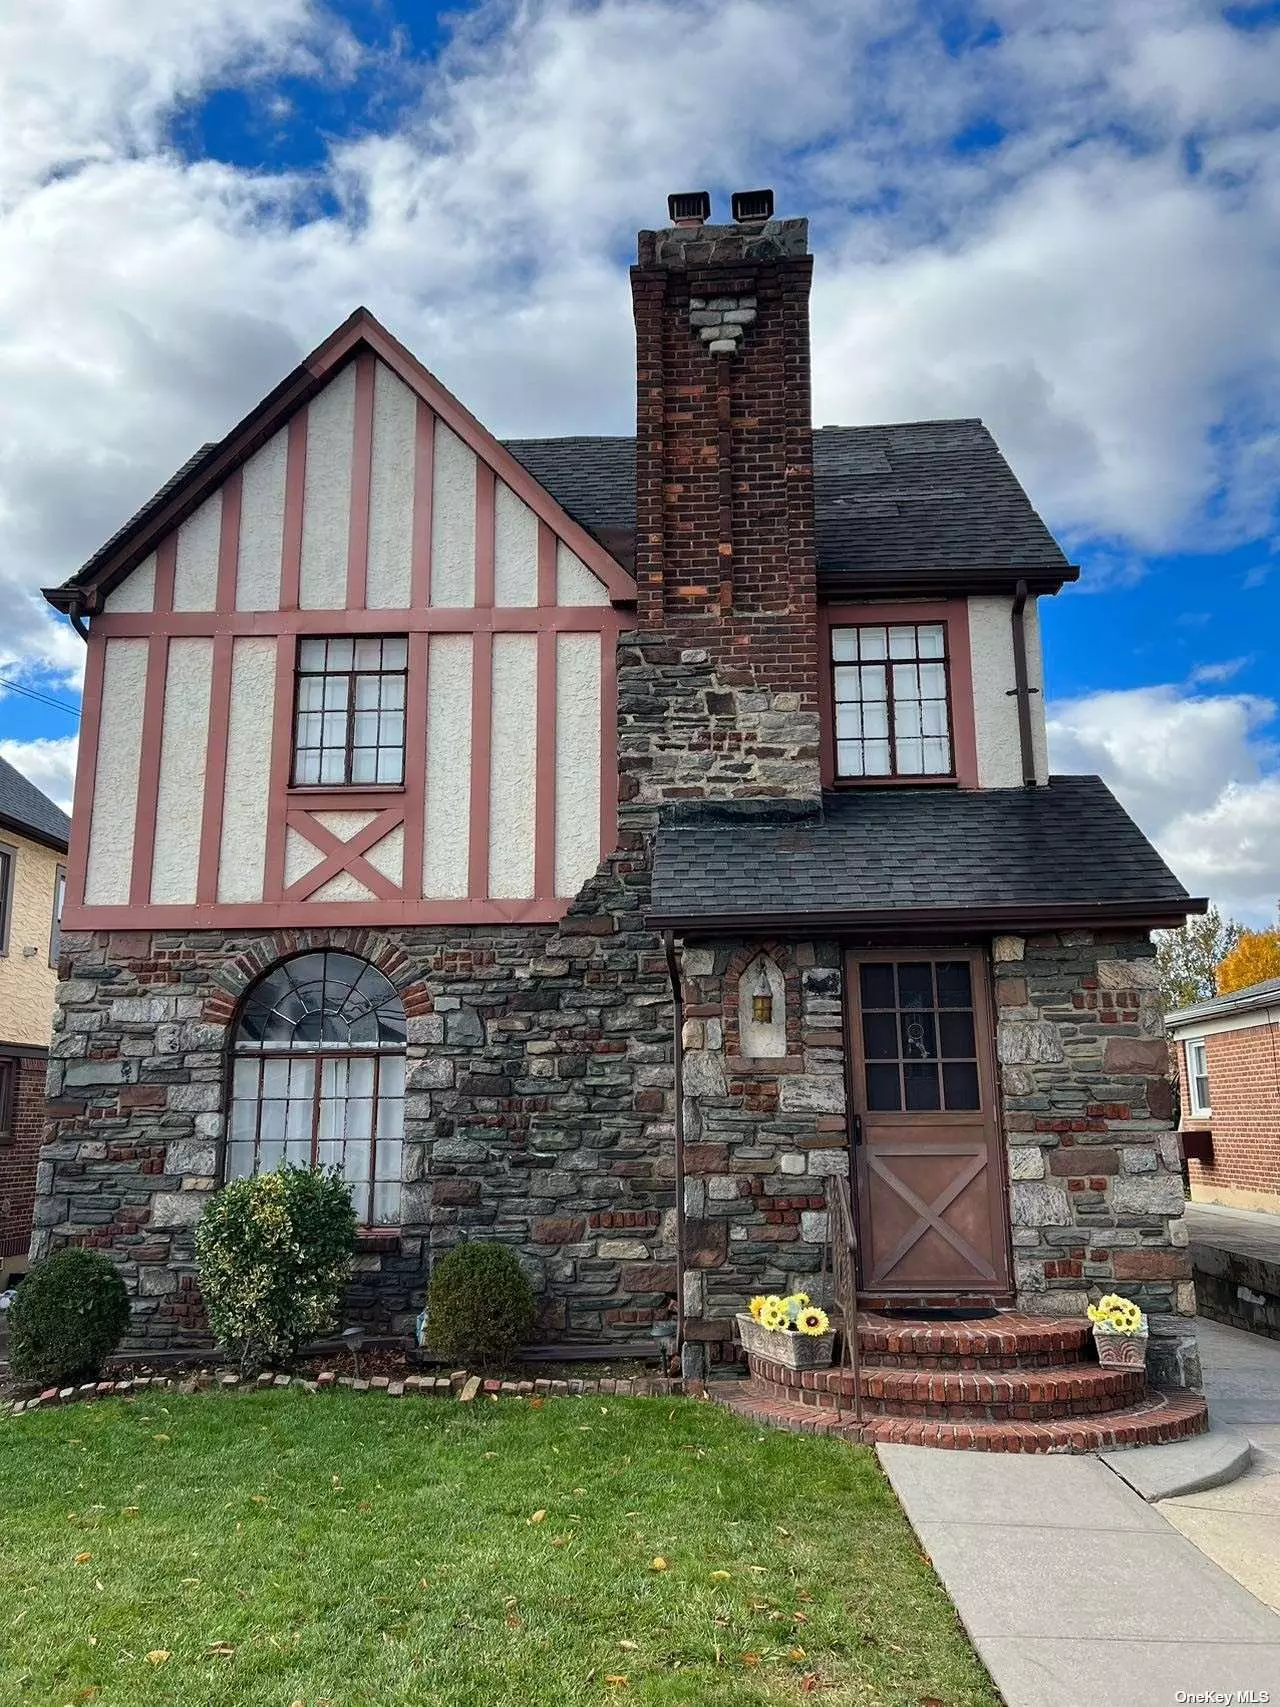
<point x="67" y="1317"/>
<point x="274" y="1255"/>
<point x="480" y="1305"/>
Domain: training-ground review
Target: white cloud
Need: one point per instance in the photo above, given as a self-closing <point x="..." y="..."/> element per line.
<point x="1199" y="773"/>
<point x="50" y="764"/>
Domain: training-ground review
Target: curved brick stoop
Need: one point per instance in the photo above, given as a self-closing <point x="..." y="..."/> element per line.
<point x="1010" y="1384"/>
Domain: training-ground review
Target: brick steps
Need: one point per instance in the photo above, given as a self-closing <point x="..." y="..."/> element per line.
<point x="1155" y="1419"/>
<point x="1007" y="1341"/>
<point x="957" y="1395"/>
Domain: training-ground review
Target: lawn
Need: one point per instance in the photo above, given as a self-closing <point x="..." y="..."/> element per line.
<point x="282" y="1548"/>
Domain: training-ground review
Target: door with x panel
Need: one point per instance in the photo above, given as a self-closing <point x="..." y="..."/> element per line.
<point x="931" y="1203"/>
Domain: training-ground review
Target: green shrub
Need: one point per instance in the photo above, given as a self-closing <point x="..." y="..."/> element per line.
<point x="480" y="1306"/>
<point x="67" y="1317"/>
<point x="274" y="1254"/>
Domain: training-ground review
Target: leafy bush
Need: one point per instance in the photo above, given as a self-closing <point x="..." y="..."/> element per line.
<point x="67" y="1317"/>
<point x="480" y="1305"/>
<point x="274" y="1254"/>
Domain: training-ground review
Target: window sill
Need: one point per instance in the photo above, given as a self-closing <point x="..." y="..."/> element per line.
<point x="375" y="1241"/>
<point x="343" y="794"/>
<point x="894" y="782"/>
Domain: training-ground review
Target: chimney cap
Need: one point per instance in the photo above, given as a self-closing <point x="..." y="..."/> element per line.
<point x="689" y="207"/>
<point x="752" y="207"/>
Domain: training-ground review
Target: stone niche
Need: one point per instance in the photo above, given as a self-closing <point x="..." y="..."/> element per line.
<point x="762" y="1010"/>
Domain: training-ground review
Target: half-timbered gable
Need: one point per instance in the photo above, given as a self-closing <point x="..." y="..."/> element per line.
<point x="368" y="677"/>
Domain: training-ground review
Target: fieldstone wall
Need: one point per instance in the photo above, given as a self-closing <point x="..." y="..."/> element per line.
<point x="537" y="1109"/>
<point x="761" y="1136"/>
<point x="1096" y="1193"/>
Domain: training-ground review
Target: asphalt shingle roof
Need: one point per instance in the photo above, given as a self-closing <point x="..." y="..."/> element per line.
<point x="25" y="809"/>
<point x="890" y="850"/>
<point x="1253" y="995"/>
<point x="917" y="495"/>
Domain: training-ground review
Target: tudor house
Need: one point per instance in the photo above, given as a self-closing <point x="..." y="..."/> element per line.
<point x="609" y="846"/>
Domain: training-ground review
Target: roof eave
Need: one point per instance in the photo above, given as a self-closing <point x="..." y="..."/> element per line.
<point x="46" y="838"/>
<point x="935" y="580"/>
<point x="1223" y="1007"/>
<point x="888" y="921"/>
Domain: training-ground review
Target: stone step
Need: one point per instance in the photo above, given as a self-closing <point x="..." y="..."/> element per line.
<point x="1153" y="1420"/>
<point x="1006" y="1341"/>
<point x="957" y="1395"/>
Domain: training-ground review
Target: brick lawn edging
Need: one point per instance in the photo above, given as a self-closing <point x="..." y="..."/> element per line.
<point x="462" y="1383"/>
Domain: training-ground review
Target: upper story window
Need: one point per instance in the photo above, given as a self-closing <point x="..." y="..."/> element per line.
<point x="1198" y="1076"/>
<point x="891" y="700"/>
<point x="349" y="711"/>
<point x="8" y="867"/>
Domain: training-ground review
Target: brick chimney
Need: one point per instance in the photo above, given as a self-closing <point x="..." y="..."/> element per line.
<point x="724" y="500"/>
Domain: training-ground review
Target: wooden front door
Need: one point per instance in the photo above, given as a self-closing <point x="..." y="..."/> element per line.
<point x="931" y="1203"/>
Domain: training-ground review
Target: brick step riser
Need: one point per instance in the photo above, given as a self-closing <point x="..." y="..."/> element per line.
<point x="1156" y="1421"/>
<point x="1008" y="1341"/>
<point x="874" y="1358"/>
<point x="951" y="1410"/>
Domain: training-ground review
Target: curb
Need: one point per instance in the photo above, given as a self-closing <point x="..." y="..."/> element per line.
<point x="1184" y="1466"/>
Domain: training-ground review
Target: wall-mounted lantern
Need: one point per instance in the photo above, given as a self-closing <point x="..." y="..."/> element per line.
<point x="762" y="998"/>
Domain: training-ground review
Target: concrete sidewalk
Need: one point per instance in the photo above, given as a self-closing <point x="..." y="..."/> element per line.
<point x="1075" y="1591"/>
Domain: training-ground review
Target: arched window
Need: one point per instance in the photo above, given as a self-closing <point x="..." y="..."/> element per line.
<point x="318" y="1078"/>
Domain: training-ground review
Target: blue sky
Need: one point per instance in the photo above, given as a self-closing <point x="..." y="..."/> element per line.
<point x="1059" y="219"/>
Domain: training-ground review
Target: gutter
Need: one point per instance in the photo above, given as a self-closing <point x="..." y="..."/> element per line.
<point x="677" y="1007"/>
<point x="1022" y="689"/>
<point x="905" y="922"/>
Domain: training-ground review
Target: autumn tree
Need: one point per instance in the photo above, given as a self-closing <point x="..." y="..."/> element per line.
<point x="1189" y="958"/>
<point x="1252" y="959"/>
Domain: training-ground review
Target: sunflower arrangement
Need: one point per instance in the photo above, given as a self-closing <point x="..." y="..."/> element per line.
<point x="796" y="1313"/>
<point x="1116" y="1315"/>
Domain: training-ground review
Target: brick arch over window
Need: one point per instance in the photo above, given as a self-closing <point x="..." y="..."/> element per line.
<point x="241" y="973"/>
<point x="784" y="959"/>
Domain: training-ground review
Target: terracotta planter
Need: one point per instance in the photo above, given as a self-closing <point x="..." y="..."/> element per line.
<point x="791" y="1350"/>
<point x="1120" y="1351"/>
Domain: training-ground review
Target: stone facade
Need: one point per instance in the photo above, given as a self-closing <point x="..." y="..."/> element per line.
<point x="1096" y="1194"/>
<point x="537" y="1109"/>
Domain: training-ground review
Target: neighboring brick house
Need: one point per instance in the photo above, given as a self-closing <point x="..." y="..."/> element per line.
<point x="1228" y="1054"/>
<point x="33" y="852"/>
<point x="419" y="770"/>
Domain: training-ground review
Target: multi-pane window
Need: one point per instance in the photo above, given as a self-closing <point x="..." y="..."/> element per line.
<point x="349" y="711"/>
<point x="919" y="1041"/>
<point x="1198" y="1076"/>
<point x="890" y="694"/>
<point x="318" y="1079"/>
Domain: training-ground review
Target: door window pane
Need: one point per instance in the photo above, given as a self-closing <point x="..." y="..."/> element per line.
<point x="880" y="1036"/>
<point x="955" y="1030"/>
<point x="915" y="985"/>
<point x="918" y="1040"/>
<point x="955" y="987"/>
<point x="876" y="979"/>
<point x="882" y="1089"/>
<point x="921" y="1079"/>
<point x="960" y="1084"/>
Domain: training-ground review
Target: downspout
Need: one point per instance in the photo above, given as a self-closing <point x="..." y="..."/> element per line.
<point x="1022" y="689"/>
<point x="677" y="1007"/>
<point x="78" y="623"/>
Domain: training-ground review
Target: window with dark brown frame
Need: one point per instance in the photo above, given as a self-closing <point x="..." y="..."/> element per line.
<point x="890" y="691"/>
<point x="348" y="726"/>
<point x="8" y="866"/>
<point x="8" y="1096"/>
<point x="317" y="1079"/>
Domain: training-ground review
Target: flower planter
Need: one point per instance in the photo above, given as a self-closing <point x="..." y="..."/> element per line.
<point x="1120" y="1351"/>
<point x="791" y="1350"/>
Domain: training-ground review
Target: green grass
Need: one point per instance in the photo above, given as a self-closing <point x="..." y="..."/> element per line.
<point x="350" y="1550"/>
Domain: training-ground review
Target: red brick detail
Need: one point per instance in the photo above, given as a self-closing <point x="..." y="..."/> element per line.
<point x="19" y="1155"/>
<point x="1244" y="1090"/>
<point x="1008" y="1341"/>
<point x="1151" y="1265"/>
<point x="706" y="1158"/>
<point x="558" y="1230"/>
<point x="1083" y="1159"/>
<point x="457" y="1193"/>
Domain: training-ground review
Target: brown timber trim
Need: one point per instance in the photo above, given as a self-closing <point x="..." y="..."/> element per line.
<point x="1021" y="685"/>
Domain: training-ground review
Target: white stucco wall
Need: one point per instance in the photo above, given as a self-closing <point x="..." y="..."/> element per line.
<point x="453" y="520"/>
<point x="515" y="556"/>
<point x="395" y="419"/>
<point x="180" y="796"/>
<point x="137" y="591"/>
<point x="327" y="495"/>
<point x="115" y="793"/>
<point x="995" y="711"/>
<point x="513" y="757"/>
<point x="342" y="886"/>
<point x="244" y="799"/>
<point x="262" y="526"/>
<point x="387" y="856"/>
<point x="575" y="584"/>
<point x="577" y="760"/>
<point x="446" y="838"/>
<point x="195" y="574"/>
